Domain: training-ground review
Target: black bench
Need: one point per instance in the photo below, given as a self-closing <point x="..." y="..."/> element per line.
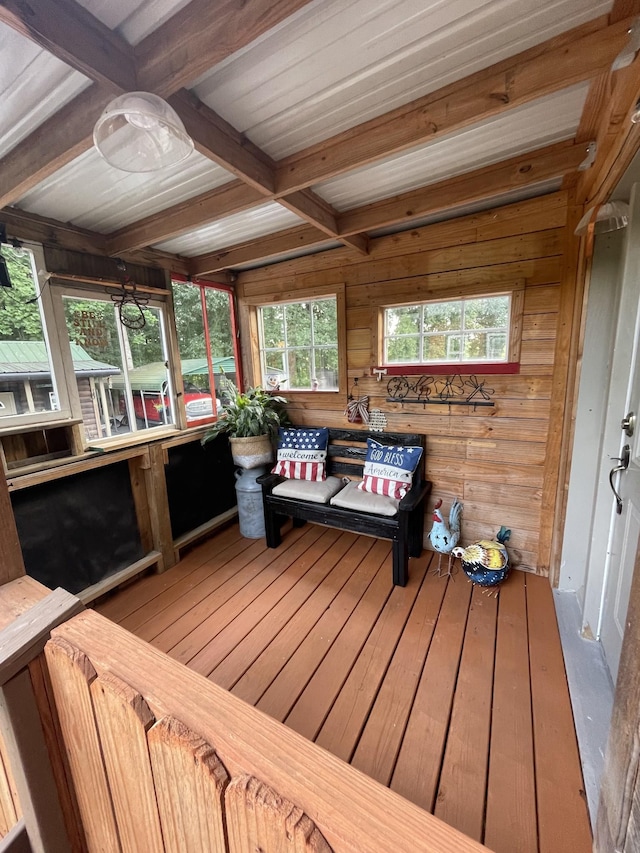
<point x="345" y="457"/>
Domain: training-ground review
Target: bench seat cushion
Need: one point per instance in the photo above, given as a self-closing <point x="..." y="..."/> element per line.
<point x="309" y="490"/>
<point x="351" y="497"/>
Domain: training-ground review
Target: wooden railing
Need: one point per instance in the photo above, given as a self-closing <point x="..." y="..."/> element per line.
<point x="157" y="758"/>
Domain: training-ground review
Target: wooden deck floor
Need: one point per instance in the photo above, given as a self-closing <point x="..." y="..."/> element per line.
<point x="456" y="700"/>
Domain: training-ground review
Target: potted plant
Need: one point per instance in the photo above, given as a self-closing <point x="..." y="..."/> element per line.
<point x="251" y="419"/>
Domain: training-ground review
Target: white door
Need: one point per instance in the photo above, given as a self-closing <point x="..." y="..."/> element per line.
<point x="624" y="530"/>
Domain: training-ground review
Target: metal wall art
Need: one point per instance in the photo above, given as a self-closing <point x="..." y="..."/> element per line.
<point x="436" y="390"/>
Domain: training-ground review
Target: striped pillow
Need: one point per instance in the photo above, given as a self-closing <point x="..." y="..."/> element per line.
<point x="302" y="453"/>
<point x="389" y="470"/>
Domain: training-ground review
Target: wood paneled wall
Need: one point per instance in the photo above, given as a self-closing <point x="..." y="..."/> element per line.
<point x="502" y="462"/>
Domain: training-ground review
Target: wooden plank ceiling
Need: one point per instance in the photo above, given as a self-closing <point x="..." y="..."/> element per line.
<point x="403" y="107"/>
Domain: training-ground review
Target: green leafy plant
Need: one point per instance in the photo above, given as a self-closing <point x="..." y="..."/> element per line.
<point x="248" y="413"/>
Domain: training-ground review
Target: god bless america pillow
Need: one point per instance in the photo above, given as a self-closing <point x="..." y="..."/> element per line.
<point x="389" y="470"/>
<point x="302" y="453"/>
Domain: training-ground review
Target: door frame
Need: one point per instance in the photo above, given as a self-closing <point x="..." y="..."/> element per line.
<point x="589" y="502"/>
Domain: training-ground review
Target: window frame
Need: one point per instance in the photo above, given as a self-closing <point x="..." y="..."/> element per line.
<point x="62" y="287"/>
<point x="252" y="304"/>
<point x="65" y="390"/>
<point x="514" y="290"/>
<point x="235" y="332"/>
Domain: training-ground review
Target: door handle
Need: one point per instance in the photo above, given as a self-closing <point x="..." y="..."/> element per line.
<point x="622" y="466"/>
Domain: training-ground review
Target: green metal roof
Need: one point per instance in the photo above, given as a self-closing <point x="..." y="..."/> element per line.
<point x="21" y="359"/>
<point x="151" y="377"/>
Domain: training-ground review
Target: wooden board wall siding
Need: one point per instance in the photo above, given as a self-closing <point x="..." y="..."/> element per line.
<point x="480" y="456"/>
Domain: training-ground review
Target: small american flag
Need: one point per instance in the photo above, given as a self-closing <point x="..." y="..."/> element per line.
<point x="302" y="454"/>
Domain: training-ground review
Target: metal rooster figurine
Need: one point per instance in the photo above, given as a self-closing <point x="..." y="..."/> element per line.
<point x="443" y="538"/>
<point x="486" y="563"/>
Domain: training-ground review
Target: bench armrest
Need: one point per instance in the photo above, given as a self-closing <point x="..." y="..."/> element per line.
<point x="414" y="497"/>
<point x="268" y="481"/>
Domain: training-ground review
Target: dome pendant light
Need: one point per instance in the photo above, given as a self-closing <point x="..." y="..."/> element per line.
<point x="140" y="132"/>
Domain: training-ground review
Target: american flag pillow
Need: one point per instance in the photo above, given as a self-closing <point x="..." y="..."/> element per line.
<point x="389" y="470"/>
<point x="302" y="453"/>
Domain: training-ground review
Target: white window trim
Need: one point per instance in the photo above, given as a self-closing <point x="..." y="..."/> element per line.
<point x="515" y="290"/>
<point x="252" y="304"/>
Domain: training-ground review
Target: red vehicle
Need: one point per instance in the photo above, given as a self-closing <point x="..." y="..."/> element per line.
<point x="153" y="409"/>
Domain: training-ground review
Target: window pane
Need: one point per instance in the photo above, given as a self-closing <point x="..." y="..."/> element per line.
<point x="298" y="324"/>
<point x="497" y="346"/>
<point x="27" y="384"/>
<point x="299" y="364"/>
<point x="199" y="366"/>
<point x="97" y="361"/>
<point x="219" y="321"/>
<point x="187" y="306"/>
<point x="488" y="313"/>
<point x="454" y="347"/>
<point x="443" y="317"/>
<point x="148" y="369"/>
<point x="275" y="371"/>
<point x="325" y="321"/>
<point x="403" y="350"/>
<point x="435" y="348"/>
<point x="273" y="326"/>
<point x="475" y="346"/>
<point x="403" y="321"/>
<point x="106" y="354"/>
<point x="326" y="375"/>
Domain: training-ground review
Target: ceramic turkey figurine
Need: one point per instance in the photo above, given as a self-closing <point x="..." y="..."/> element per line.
<point x="486" y="563"/>
<point x="444" y="538"/>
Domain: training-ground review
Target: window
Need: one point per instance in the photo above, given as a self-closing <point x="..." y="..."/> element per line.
<point x="32" y="382"/>
<point x="205" y="327"/>
<point x="69" y="352"/>
<point x="299" y="345"/>
<point x="472" y="330"/>
<point x="120" y="369"/>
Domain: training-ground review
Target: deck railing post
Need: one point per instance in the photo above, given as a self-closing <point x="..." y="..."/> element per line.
<point x="20" y="723"/>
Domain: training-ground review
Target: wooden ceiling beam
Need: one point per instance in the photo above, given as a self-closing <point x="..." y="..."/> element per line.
<point x="209" y="207"/>
<point x="213" y="137"/>
<point x="572" y="57"/>
<point x="271" y="246"/>
<point x="40" y="229"/>
<point x="58" y="141"/>
<point x="71" y="33"/>
<point x="611" y="98"/>
<point x="214" y="140"/>
<point x="318" y="212"/>
<point x="485" y="183"/>
<point x="618" y="139"/>
<point x="490" y="181"/>
<point x="200" y="36"/>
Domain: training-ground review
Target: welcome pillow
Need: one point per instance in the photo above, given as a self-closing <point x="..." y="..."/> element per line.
<point x="302" y="454"/>
<point x="389" y="470"/>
